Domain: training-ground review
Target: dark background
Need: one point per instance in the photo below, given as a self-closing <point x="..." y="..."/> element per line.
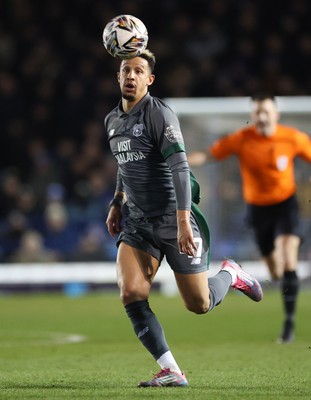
<point x="57" y="83"/>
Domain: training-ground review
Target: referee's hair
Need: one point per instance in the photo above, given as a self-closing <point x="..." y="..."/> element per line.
<point x="261" y="96"/>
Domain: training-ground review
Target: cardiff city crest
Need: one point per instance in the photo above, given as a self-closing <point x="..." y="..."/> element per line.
<point x="138" y="129"/>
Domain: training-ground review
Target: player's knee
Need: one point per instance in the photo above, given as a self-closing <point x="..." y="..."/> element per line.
<point x="128" y="296"/>
<point x="131" y="293"/>
<point x="198" y="306"/>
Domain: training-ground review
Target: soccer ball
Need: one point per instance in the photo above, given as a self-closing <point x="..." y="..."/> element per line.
<point x="125" y="36"/>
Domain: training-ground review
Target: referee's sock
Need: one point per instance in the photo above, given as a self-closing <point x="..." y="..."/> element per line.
<point x="218" y="286"/>
<point x="290" y="289"/>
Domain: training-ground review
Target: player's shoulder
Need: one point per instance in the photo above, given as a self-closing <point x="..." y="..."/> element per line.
<point x="111" y="115"/>
<point x="158" y="110"/>
<point x="156" y="105"/>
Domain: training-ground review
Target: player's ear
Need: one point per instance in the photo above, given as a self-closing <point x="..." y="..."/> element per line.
<point x="118" y="76"/>
<point x="151" y="79"/>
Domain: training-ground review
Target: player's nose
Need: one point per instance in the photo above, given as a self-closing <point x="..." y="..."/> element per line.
<point x="130" y="74"/>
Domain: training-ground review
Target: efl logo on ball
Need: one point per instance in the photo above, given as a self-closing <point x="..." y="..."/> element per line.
<point x="125" y="36"/>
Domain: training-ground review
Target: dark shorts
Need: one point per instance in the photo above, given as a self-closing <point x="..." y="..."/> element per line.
<point x="268" y="222"/>
<point x="158" y="237"/>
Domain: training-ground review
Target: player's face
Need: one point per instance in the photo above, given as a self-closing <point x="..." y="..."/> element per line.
<point x="134" y="78"/>
<point x="265" y="116"/>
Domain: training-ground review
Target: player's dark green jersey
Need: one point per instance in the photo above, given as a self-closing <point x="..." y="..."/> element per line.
<point x="142" y="141"/>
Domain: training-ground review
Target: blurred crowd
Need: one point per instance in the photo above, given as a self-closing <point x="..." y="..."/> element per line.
<point x="57" y="83"/>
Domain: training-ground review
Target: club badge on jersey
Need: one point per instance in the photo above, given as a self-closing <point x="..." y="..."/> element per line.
<point x="138" y="129"/>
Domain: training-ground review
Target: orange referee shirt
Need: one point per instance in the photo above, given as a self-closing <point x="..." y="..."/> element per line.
<point x="266" y="163"/>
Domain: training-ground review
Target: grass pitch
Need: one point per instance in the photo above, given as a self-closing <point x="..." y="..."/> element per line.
<point x="56" y="347"/>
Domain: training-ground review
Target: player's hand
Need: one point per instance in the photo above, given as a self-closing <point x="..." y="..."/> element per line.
<point x="113" y="221"/>
<point x="184" y="235"/>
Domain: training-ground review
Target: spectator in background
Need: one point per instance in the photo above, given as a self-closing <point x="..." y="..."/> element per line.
<point x="27" y="203"/>
<point x="53" y="84"/>
<point x="9" y="191"/>
<point x="92" y="246"/>
<point x="12" y="231"/>
<point x="43" y="172"/>
<point x="100" y="194"/>
<point x="60" y="235"/>
<point x="32" y="250"/>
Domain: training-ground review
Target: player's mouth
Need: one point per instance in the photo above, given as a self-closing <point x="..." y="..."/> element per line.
<point x="129" y="87"/>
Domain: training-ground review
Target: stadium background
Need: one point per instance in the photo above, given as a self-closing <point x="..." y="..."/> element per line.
<point x="57" y="84"/>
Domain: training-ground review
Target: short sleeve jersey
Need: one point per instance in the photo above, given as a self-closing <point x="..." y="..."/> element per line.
<point x="266" y="163"/>
<point x="141" y="140"/>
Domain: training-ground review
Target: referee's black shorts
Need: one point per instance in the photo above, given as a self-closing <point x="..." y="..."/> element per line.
<point x="268" y="222"/>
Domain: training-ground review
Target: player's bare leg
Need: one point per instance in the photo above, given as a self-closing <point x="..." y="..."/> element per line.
<point x="135" y="272"/>
<point x="195" y="291"/>
<point x="201" y="294"/>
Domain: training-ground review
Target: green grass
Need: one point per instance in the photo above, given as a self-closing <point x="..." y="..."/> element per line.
<point x="229" y="354"/>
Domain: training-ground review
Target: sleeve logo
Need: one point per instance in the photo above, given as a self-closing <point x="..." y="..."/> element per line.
<point x="172" y="135"/>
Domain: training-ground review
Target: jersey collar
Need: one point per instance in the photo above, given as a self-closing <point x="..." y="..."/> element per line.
<point x="136" y="108"/>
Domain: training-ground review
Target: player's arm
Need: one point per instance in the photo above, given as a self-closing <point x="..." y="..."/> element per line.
<point x="181" y="180"/>
<point x="200" y="157"/>
<point x="167" y="134"/>
<point x="114" y="217"/>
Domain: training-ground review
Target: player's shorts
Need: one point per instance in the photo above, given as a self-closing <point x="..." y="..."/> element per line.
<point x="269" y="222"/>
<point x="158" y="237"/>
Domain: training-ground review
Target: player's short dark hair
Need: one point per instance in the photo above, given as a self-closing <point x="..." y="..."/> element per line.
<point x="150" y="58"/>
<point x="263" y="96"/>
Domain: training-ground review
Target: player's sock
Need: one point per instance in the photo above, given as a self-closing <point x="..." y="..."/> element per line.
<point x="147" y="327"/>
<point x="168" y="361"/>
<point x="219" y="286"/>
<point x="290" y="288"/>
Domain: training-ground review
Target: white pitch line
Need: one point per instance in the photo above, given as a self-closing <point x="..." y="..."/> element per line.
<point x="36" y="338"/>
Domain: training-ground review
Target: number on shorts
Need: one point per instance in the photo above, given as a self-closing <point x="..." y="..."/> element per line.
<point x="199" y="243"/>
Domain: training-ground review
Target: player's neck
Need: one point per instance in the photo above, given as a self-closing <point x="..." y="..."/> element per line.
<point x="128" y="104"/>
